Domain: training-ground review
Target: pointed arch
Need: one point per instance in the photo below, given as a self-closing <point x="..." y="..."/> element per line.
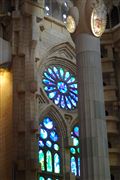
<point x="66" y="47"/>
<point x="52" y="112"/>
<point x="50" y="147"/>
<point x="60" y="54"/>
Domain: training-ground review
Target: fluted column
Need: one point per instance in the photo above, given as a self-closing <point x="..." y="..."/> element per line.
<point x="93" y="133"/>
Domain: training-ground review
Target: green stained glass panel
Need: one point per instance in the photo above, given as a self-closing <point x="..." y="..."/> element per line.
<point x="41" y="160"/>
<point x="43" y="133"/>
<point x="75" y="142"/>
<point x="56" y="147"/>
<point x="72" y="150"/>
<point x="75" y="152"/>
<point x="76" y="131"/>
<point x="41" y="178"/>
<point x="79" y="166"/>
<point x="73" y="166"/>
<point x="56" y="163"/>
<point x="78" y="150"/>
<point x="49" y="161"/>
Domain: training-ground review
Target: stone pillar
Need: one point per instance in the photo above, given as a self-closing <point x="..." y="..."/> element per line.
<point x="93" y="133"/>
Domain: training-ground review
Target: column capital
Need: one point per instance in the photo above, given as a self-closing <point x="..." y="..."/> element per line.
<point x="85" y="42"/>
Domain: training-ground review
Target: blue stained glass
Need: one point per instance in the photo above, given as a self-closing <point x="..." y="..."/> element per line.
<point x="72" y="101"/>
<point x="53" y="136"/>
<point x="76" y="131"/>
<point x="48" y="123"/>
<point x="48" y="156"/>
<point x="74" y="96"/>
<point x="48" y="82"/>
<point x="41" y="144"/>
<point x="61" y="87"/>
<point x="50" y="71"/>
<point x="52" y="94"/>
<point x="49" y="161"/>
<point x="41" y="160"/>
<point x="75" y="141"/>
<point x="49" y="179"/>
<point x="67" y="75"/>
<point x="56" y="147"/>
<point x="46" y="88"/>
<point x="71" y="80"/>
<point x="73" y="166"/>
<point x="47" y="76"/>
<point x="79" y="166"/>
<point x="72" y="150"/>
<point x="61" y="73"/>
<point x="62" y="102"/>
<point x="41" y="178"/>
<point x="75" y="91"/>
<point x="75" y="152"/>
<point x="43" y="133"/>
<point x="78" y="150"/>
<point x="56" y="71"/>
<point x="48" y="143"/>
<point x="56" y="163"/>
<point x="57" y="100"/>
<point x="73" y="86"/>
<point x="68" y="103"/>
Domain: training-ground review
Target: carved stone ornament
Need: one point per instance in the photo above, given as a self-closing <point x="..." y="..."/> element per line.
<point x="72" y="19"/>
<point x="98" y="19"/>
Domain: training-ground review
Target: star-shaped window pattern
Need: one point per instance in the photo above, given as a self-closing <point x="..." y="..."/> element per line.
<point x="61" y="87"/>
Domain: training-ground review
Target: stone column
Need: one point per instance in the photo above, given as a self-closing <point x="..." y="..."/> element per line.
<point x="93" y="133"/>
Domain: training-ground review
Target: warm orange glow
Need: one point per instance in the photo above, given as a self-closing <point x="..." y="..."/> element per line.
<point x="4" y="77"/>
<point x="5" y="123"/>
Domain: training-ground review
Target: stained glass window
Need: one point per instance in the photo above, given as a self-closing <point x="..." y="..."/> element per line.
<point x="41" y="160"/>
<point x="41" y="178"/>
<point x="57" y="163"/>
<point x="75" y="152"/>
<point x="57" y="9"/>
<point x="49" y="150"/>
<point x="61" y="87"/>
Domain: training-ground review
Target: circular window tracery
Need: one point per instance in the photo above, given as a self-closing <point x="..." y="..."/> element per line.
<point x="61" y="87"/>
